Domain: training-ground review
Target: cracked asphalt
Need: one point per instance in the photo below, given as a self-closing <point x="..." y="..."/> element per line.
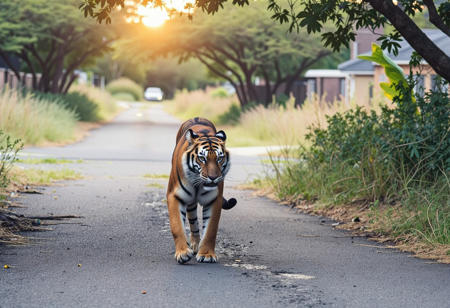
<point x="269" y="254"/>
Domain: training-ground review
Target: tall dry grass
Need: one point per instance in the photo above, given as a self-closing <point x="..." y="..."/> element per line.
<point x="199" y="103"/>
<point x="107" y="106"/>
<point x="277" y="125"/>
<point x="34" y="120"/>
<point x="258" y="126"/>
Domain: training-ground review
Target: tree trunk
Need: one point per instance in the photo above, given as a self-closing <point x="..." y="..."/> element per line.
<point x="240" y="91"/>
<point x="71" y="81"/>
<point x="268" y="88"/>
<point x="58" y="71"/>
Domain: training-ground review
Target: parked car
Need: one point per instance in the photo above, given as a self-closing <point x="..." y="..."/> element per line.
<point x="153" y="94"/>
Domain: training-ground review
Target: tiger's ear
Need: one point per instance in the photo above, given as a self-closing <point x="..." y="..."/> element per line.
<point x="190" y="135"/>
<point x="221" y="135"/>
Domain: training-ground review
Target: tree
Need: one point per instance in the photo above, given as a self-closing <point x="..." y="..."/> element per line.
<point x="347" y="16"/>
<point x="50" y="37"/>
<point x="170" y="75"/>
<point x="239" y="45"/>
<point x="118" y="63"/>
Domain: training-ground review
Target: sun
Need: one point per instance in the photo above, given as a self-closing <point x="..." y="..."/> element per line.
<point x="156" y="16"/>
<point x="152" y="16"/>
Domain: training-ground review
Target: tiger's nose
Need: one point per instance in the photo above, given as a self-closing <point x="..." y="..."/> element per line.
<point x="212" y="177"/>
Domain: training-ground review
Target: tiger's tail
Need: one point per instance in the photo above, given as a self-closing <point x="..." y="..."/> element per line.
<point x="228" y="204"/>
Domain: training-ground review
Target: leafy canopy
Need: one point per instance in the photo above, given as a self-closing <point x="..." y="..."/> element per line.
<point x="52" y="38"/>
<point x="238" y="45"/>
<point x="347" y="16"/>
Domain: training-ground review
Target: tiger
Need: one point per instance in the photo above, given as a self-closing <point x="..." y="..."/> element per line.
<point x="200" y="163"/>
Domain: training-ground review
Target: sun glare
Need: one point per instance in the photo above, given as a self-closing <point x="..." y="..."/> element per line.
<point x="156" y="16"/>
<point x="152" y="16"/>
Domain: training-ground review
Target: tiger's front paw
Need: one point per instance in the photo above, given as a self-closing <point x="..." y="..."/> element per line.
<point x="183" y="255"/>
<point x="209" y="257"/>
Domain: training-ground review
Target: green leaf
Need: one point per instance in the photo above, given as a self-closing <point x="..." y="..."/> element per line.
<point x="392" y="70"/>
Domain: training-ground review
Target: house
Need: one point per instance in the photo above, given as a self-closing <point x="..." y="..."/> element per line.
<point x="330" y="85"/>
<point x="362" y="77"/>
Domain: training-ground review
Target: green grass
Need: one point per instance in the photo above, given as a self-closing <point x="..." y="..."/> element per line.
<point x="35" y="176"/>
<point x="33" y="120"/>
<point x="425" y="214"/>
<point x="155" y="176"/>
<point x="38" y="161"/>
<point x="419" y="210"/>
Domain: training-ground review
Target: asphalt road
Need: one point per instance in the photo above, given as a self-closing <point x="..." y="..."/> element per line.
<point x="269" y="255"/>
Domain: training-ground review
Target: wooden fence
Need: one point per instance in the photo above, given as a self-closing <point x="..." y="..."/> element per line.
<point x="8" y="78"/>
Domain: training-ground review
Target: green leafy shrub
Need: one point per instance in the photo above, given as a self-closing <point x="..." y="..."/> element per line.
<point x="125" y="85"/>
<point x="8" y="151"/>
<point x="411" y="142"/>
<point x="400" y="155"/>
<point x="219" y="93"/>
<point x="107" y="106"/>
<point x="231" y="116"/>
<point x="85" y="109"/>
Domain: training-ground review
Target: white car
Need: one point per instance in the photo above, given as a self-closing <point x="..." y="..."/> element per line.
<point x="153" y="94"/>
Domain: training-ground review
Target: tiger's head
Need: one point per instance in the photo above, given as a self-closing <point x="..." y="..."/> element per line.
<point x="207" y="160"/>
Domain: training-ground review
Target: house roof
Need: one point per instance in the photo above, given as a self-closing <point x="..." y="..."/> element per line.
<point x="325" y="73"/>
<point x="359" y="66"/>
<point x="438" y="37"/>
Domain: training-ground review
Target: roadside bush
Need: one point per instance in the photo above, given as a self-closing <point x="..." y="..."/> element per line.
<point x="412" y="140"/>
<point x="35" y="120"/>
<point x="125" y="85"/>
<point x="8" y="151"/>
<point x="399" y="156"/>
<point x="85" y="109"/>
<point x="231" y="116"/>
<point x="219" y="93"/>
<point x="106" y="106"/>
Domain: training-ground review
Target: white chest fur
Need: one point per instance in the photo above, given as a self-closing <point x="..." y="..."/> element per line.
<point x="206" y="195"/>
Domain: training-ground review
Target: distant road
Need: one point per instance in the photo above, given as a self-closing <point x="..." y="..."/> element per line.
<point x="269" y="255"/>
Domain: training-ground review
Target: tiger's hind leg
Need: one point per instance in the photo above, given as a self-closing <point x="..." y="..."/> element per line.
<point x="211" y="217"/>
<point x="177" y="210"/>
<point x="193" y="225"/>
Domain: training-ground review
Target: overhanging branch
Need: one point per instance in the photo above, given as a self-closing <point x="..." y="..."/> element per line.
<point x="434" y="18"/>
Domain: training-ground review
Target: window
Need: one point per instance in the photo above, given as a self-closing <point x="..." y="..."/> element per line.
<point x="311" y="85"/>
<point x="342" y="86"/>
<point x="420" y="85"/>
<point x="436" y="84"/>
